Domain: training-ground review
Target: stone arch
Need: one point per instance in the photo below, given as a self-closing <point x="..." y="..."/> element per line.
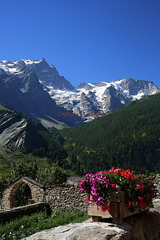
<point x="37" y="192"/>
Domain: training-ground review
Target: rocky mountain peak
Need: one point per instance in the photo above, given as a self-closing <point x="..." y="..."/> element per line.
<point x="21" y="65"/>
<point x="48" y="75"/>
<point x="138" y="86"/>
<point x="42" y="59"/>
<point x="36" y="78"/>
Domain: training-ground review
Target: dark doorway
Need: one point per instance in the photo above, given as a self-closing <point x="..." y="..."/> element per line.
<point x="23" y="193"/>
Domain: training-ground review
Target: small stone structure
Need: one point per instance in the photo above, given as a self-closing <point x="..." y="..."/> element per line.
<point x="37" y="192"/>
<point x="61" y="196"/>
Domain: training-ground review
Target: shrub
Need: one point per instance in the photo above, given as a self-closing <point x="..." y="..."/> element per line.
<point x="28" y="225"/>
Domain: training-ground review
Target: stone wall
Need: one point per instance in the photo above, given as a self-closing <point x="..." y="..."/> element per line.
<point x="157" y="184"/>
<point x="62" y="197"/>
<point x="8" y="215"/>
<point x="65" y="197"/>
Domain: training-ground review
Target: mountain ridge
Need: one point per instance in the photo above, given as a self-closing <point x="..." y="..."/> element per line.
<point x="88" y="99"/>
<point x="21" y="89"/>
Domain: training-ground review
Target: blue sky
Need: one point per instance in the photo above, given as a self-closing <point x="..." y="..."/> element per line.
<point x="86" y="40"/>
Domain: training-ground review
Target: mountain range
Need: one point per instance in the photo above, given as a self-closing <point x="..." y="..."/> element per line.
<point x="127" y="136"/>
<point x="37" y="90"/>
<point x="21" y="89"/>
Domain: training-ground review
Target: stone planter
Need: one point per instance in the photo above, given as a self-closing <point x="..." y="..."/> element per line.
<point x="118" y="209"/>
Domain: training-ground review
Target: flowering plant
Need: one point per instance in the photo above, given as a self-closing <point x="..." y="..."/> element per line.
<point x="139" y="189"/>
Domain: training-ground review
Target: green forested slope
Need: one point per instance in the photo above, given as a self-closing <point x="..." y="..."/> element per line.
<point x="129" y="138"/>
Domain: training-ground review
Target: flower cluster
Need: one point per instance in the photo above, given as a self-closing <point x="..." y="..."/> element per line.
<point x="139" y="189"/>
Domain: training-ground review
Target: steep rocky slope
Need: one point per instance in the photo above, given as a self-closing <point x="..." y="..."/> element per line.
<point x="17" y="132"/>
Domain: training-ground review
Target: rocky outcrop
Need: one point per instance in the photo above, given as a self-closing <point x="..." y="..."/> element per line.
<point x="140" y="227"/>
<point x="84" y="231"/>
<point x="14" y="134"/>
<point x="113" y="99"/>
<point x="145" y="226"/>
<point x="17" y="132"/>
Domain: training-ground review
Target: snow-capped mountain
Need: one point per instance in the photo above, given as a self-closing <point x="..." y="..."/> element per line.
<point x="20" y="88"/>
<point x="88" y="100"/>
<point x="47" y="75"/>
<point x="93" y="99"/>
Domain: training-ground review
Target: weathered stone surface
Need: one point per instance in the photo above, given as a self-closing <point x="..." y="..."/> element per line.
<point x="140" y="227"/>
<point x="145" y="226"/>
<point x="156" y="203"/>
<point x="83" y="231"/>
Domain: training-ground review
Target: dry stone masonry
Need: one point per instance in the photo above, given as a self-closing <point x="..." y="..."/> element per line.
<point x="62" y="197"/>
<point x="37" y="192"/>
<point x="65" y="197"/>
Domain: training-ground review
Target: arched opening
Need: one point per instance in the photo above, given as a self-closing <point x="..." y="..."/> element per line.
<point x="22" y="195"/>
<point x="22" y="192"/>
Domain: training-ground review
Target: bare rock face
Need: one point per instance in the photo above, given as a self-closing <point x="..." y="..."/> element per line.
<point x="156" y="203"/>
<point x="17" y="132"/>
<point x="145" y="226"/>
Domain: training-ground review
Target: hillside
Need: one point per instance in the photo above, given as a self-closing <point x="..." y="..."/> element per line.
<point x="18" y="132"/>
<point x="128" y="138"/>
<point x="22" y="139"/>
